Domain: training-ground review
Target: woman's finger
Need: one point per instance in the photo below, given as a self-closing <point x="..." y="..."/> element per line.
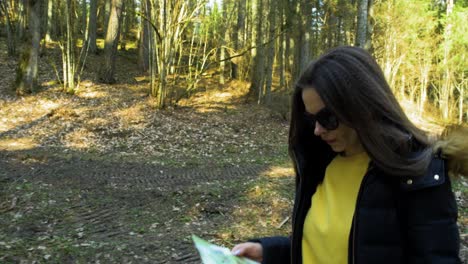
<point x="249" y="250"/>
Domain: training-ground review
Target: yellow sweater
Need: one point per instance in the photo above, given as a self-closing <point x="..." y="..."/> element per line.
<point x="328" y="222"/>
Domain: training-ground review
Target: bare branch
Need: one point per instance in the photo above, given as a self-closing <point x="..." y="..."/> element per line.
<point x="151" y="23"/>
<point x="249" y="49"/>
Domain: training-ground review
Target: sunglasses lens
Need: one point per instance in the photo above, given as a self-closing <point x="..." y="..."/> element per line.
<point x="325" y="117"/>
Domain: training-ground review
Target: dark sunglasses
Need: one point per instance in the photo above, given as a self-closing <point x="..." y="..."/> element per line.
<point x="325" y="117"/>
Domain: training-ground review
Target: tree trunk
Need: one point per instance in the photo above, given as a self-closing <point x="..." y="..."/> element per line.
<point x="289" y="60"/>
<point x="460" y="106"/>
<point x="152" y="49"/>
<point x="145" y="37"/>
<point x="92" y="27"/>
<point x="370" y="26"/>
<point x="112" y="37"/>
<point x="74" y="5"/>
<point x="131" y="15"/>
<point x="316" y="30"/>
<point x="28" y="82"/>
<point x="50" y="4"/>
<point x="106" y="14"/>
<point x="222" y="63"/>
<point x="56" y="31"/>
<point x="361" y="31"/>
<point x="43" y="15"/>
<point x="303" y="38"/>
<point x="11" y="42"/>
<point x="10" y="27"/>
<point x="238" y="35"/>
<point x="124" y="26"/>
<point x="339" y="28"/>
<point x="331" y="26"/>
<point x="84" y="20"/>
<point x="281" y="48"/>
<point x="270" y="54"/>
<point x="22" y="19"/>
<point x="425" y="67"/>
<point x="461" y="98"/>
<point x="224" y="35"/>
<point x="258" y="72"/>
<point x="127" y="25"/>
<point x="297" y="42"/>
<point x="446" y="89"/>
<point x="68" y="52"/>
<point x="253" y="27"/>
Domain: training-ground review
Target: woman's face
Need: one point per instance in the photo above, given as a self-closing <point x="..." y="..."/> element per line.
<point x="343" y="138"/>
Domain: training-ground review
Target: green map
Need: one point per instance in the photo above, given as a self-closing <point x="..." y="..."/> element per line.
<point x="213" y="254"/>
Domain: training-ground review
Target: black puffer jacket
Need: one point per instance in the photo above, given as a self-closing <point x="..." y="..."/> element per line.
<point x="396" y="220"/>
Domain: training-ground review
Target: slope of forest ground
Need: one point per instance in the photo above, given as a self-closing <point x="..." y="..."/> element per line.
<point x="101" y="176"/>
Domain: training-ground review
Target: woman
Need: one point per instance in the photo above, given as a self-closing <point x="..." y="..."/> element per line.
<point x="370" y="187"/>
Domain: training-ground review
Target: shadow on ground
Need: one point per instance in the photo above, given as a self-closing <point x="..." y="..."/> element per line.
<point x="82" y="210"/>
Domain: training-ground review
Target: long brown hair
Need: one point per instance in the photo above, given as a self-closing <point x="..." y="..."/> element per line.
<point x="353" y="86"/>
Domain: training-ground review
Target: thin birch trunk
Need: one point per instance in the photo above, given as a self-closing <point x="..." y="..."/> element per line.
<point x="461" y="97"/>
<point x="84" y="19"/>
<point x="424" y="82"/>
<point x="446" y="89"/>
<point x="50" y="5"/>
<point x="68" y="50"/>
<point x="281" y="54"/>
<point x="224" y="35"/>
<point x="270" y="52"/>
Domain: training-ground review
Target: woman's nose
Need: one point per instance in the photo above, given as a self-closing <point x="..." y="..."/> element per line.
<point x="319" y="129"/>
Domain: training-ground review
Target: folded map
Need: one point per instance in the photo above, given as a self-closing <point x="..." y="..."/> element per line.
<point x="213" y="254"/>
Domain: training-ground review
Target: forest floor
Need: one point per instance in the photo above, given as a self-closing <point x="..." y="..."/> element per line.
<point x="101" y="176"/>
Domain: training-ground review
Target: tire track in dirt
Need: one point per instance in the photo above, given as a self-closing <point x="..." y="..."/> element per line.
<point x="179" y="178"/>
<point x="109" y="191"/>
<point x="95" y="221"/>
<point x="130" y="175"/>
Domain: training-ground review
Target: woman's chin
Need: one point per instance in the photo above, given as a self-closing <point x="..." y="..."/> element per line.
<point x="336" y="148"/>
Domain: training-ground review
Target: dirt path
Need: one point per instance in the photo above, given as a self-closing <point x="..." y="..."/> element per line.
<point x="79" y="210"/>
<point x="82" y="210"/>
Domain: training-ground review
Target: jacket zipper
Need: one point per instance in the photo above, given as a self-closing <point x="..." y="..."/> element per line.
<point x="296" y="203"/>
<point x="353" y="259"/>
<point x="293" y="237"/>
<point x="354" y="235"/>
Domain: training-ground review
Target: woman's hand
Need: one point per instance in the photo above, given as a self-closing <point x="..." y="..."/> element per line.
<point x="249" y="250"/>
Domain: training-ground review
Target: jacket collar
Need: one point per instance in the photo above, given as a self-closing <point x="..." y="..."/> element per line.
<point x="434" y="176"/>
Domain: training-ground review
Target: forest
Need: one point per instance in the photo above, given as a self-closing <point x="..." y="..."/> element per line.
<point x="126" y="126"/>
<point x="421" y="44"/>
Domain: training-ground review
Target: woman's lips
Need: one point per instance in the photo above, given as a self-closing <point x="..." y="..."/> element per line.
<point x="330" y="141"/>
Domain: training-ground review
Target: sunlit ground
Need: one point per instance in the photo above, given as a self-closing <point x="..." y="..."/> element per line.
<point x="14" y="144"/>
